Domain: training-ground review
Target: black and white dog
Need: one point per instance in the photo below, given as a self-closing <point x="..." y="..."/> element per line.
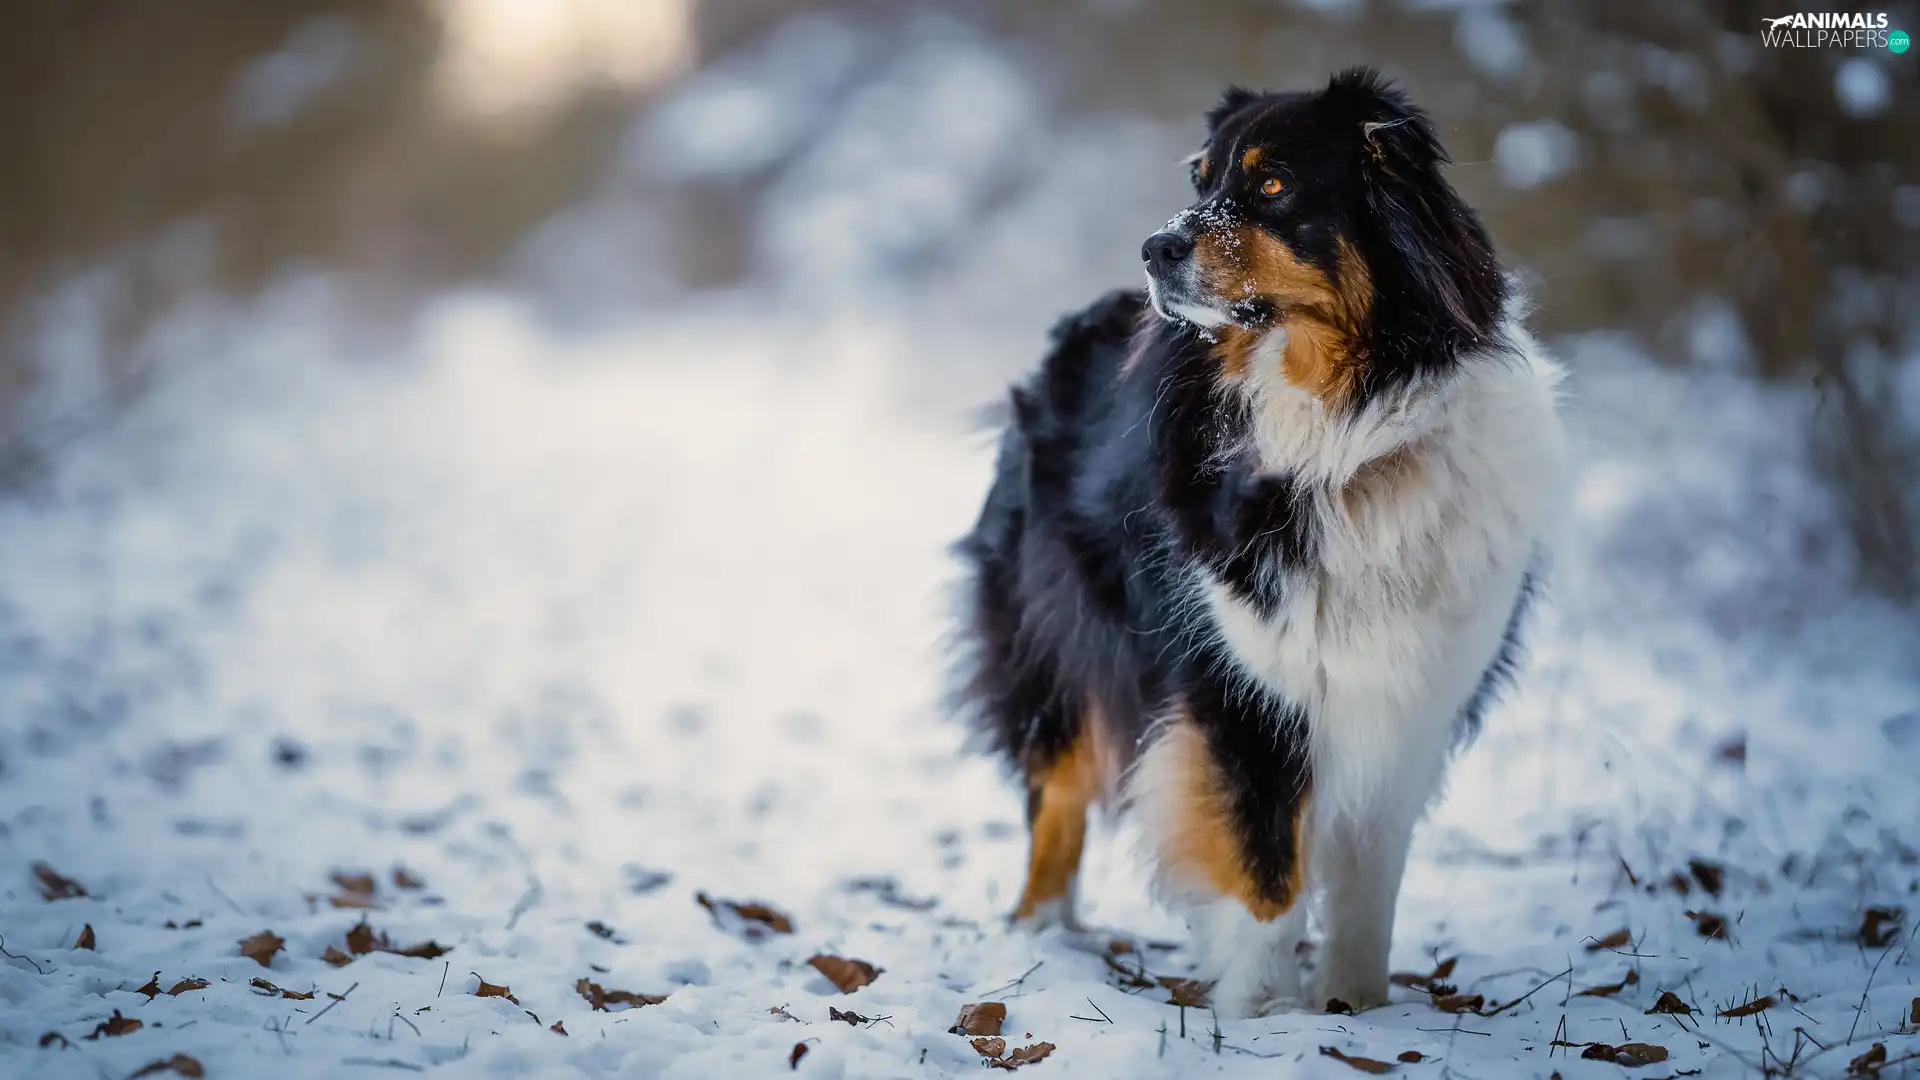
<point x="1259" y="541"/>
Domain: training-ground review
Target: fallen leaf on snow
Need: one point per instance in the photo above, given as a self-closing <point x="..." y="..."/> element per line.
<point x="178" y="1063"/>
<point x="261" y="947"/>
<point x="1632" y="1055"/>
<point x="1425" y="982"/>
<point x="188" y="925"/>
<point x="1459" y="1003"/>
<point x="361" y="883"/>
<point x="116" y="1025"/>
<point x="849" y="1017"/>
<point x="53" y="1037"/>
<point x="991" y="1046"/>
<point x="270" y="990"/>
<point x="845" y="974"/>
<point x="1364" y="1064"/>
<point x="1412" y="1057"/>
<point x="1710" y="925"/>
<point x="980" y="1018"/>
<point x="86" y="937"/>
<point x="605" y="933"/>
<point x="361" y="940"/>
<point x="1913" y="1017"/>
<point x="1868" y="1064"/>
<point x="1880" y="926"/>
<point x="185" y="985"/>
<point x="1026" y="1055"/>
<point x="151" y="989"/>
<point x="404" y="878"/>
<point x="488" y="989"/>
<point x="600" y="997"/>
<point x="558" y="1028"/>
<point x="1619" y="937"/>
<point x="336" y="957"/>
<point x="425" y="950"/>
<point x="56" y="886"/>
<point x="1757" y="1005"/>
<point x="1190" y="993"/>
<point x="1632" y="979"/>
<point x="799" y="1051"/>
<point x="1669" y="1002"/>
<point x="1711" y="875"/>
<point x="752" y="920"/>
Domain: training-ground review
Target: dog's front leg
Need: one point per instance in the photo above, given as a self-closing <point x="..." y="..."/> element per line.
<point x="1360" y="864"/>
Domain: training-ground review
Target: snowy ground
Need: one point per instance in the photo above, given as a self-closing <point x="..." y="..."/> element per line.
<point x="577" y="623"/>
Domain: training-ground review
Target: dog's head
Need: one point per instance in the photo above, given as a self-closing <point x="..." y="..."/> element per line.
<point x="1325" y="214"/>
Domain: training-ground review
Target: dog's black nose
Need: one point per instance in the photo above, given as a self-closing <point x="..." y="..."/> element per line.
<point x="1163" y="249"/>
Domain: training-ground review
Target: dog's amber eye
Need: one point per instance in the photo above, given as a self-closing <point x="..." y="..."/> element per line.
<point x="1271" y="187"/>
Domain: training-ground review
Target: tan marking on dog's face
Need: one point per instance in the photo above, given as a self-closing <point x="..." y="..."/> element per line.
<point x="1057" y="825"/>
<point x="1323" y="316"/>
<point x="1250" y="159"/>
<point x="1194" y="837"/>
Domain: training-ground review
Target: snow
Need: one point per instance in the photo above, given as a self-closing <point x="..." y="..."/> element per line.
<point x="577" y="623"/>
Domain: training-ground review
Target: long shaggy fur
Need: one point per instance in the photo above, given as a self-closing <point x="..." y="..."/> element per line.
<point x="1261" y="538"/>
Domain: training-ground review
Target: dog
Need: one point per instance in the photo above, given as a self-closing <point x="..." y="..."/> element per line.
<point x="1259" y="540"/>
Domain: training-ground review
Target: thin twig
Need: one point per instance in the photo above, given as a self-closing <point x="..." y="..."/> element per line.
<point x="237" y="909"/>
<point x="18" y="956"/>
<point x="1567" y="975"/>
<point x="336" y="1000"/>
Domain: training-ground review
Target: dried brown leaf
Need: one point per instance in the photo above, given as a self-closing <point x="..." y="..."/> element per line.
<point x="404" y="878"/>
<point x="751" y="920"/>
<point x="1425" y="982"/>
<point x="360" y="882"/>
<point x="1632" y="1055"/>
<point x="488" y="989"/>
<point x="1364" y="1064"/>
<point x="1711" y="875"/>
<point x="152" y="987"/>
<point x="980" y="1018"/>
<point x="1615" y="940"/>
<point x="425" y="950"/>
<point x="361" y="939"/>
<point x="1757" y="1005"/>
<point x="1669" y="1002"/>
<point x="178" y="1063"/>
<point x="1189" y="993"/>
<point x="86" y="940"/>
<point x="1710" y="925"/>
<point x="1913" y="1016"/>
<point x="799" y="1051"/>
<point x="336" y="957"/>
<point x="116" y="1025"/>
<point x="1632" y="979"/>
<point x="847" y="975"/>
<point x="188" y="925"/>
<point x="52" y="1037"/>
<point x="270" y="990"/>
<point x="185" y="985"/>
<point x="557" y="1028"/>
<point x="1880" y="926"/>
<point x="1459" y="1003"/>
<point x="260" y="947"/>
<point x="1411" y="1057"/>
<point x="56" y="886"/>
<point x="600" y="997"/>
<point x="1868" y="1064"/>
<point x="990" y="1047"/>
<point x="849" y="1017"/>
<point x="1026" y="1055"/>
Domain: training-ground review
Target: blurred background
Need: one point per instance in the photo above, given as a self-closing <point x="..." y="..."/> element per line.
<point x="369" y="329"/>
<point x="968" y="170"/>
<point x="520" y="437"/>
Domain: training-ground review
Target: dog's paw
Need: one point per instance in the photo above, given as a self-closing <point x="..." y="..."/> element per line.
<point x="1244" y="1005"/>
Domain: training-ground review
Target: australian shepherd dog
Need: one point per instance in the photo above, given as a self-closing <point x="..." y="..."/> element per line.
<point x="1260" y="539"/>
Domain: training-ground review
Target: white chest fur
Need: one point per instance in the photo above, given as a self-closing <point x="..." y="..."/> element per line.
<point x="1429" y="507"/>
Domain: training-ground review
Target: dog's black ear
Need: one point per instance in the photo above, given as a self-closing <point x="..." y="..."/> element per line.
<point x="1232" y="101"/>
<point x="1440" y="243"/>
